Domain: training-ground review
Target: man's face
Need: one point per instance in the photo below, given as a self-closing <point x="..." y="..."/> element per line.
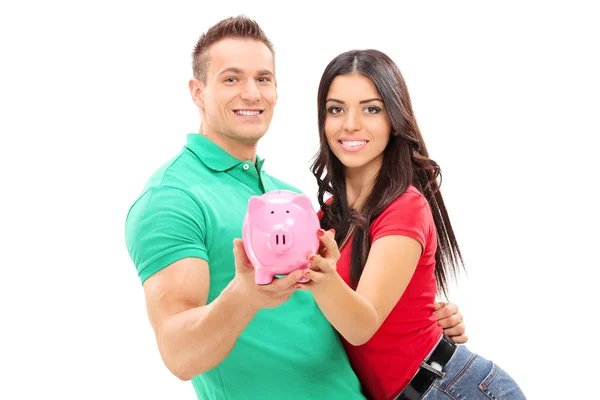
<point x="240" y="92"/>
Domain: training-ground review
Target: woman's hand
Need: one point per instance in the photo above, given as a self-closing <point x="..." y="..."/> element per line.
<point x="324" y="264"/>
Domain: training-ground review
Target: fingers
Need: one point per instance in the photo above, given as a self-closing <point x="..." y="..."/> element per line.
<point x="446" y="310"/>
<point x="287" y="282"/>
<point x="462" y="339"/>
<point x="315" y="276"/>
<point x="318" y="263"/>
<point x="242" y="263"/>
<point x="452" y="307"/>
<point x="328" y="240"/>
<point x="322" y="247"/>
<point x="451" y="321"/>
<point x="456" y="330"/>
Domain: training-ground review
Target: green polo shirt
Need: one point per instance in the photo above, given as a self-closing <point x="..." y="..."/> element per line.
<point x="194" y="206"/>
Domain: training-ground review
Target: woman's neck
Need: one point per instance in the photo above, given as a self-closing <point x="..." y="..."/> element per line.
<point x="360" y="182"/>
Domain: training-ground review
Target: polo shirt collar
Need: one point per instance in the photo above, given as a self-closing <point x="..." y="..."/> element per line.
<point x="213" y="156"/>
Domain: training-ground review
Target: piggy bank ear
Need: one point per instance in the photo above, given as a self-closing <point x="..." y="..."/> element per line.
<point x="303" y="202"/>
<point x="255" y="203"/>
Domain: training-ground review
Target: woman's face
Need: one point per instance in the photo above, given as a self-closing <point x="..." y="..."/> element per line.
<point x="357" y="125"/>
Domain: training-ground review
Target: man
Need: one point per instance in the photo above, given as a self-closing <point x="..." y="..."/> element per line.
<point x="214" y="325"/>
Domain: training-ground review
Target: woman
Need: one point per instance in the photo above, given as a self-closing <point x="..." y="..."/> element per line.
<point x="397" y="244"/>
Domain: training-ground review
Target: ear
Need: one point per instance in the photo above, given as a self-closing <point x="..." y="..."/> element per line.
<point x="303" y="202"/>
<point x="255" y="203"/>
<point x="197" y="92"/>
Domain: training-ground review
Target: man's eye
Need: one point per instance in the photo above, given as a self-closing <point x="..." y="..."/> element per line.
<point x="231" y="80"/>
<point x="264" y="80"/>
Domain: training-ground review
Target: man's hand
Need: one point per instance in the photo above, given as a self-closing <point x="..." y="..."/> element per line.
<point x="260" y="296"/>
<point x="451" y="320"/>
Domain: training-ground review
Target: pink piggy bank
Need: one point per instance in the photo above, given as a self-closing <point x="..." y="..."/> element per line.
<point x="279" y="233"/>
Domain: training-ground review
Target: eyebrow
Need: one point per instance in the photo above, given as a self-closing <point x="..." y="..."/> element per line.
<point x="263" y="72"/>
<point x="361" y="102"/>
<point x="239" y="71"/>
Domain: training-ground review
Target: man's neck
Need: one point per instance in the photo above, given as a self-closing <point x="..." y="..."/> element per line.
<point x="241" y="150"/>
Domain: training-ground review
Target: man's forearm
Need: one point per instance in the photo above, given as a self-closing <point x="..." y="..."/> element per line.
<point x="197" y="340"/>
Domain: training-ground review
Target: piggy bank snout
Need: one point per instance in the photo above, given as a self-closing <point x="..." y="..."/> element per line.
<point x="280" y="239"/>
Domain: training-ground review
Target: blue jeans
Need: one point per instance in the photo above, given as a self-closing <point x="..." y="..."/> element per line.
<point x="471" y="377"/>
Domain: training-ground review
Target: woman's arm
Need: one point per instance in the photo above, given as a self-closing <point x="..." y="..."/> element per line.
<point x="357" y="315"/>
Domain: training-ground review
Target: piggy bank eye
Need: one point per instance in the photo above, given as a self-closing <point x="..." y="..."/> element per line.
<point x="272" y="212"/>
<point x="287" y="211"/>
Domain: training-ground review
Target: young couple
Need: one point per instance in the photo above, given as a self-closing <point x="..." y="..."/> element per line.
<point x="366" y="324"/>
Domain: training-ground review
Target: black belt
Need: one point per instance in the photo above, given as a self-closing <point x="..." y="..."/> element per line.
<point x="429" y="371"/>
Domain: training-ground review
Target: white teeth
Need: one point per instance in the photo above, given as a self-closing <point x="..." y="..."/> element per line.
<point x="244" y="112"/>
<point x="354" y="143"/>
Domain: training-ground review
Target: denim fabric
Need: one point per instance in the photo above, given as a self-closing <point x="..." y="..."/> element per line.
<point x="472" y="377"/>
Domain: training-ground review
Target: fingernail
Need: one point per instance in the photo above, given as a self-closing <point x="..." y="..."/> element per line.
<point x="311" y="258"/>
<point x="332" y="230"/>
<point x="307" y="272"/>
<point x="320" y="232"/>
<point x="298" y="286"/>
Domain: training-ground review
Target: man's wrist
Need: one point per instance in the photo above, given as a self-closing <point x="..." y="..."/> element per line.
<point x="235" y="295"/>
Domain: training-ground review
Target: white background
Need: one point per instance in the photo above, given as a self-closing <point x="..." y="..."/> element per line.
<point x="94" y="98"/>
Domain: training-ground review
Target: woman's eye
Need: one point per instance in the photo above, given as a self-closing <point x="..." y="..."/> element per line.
<point x="373" y="110"/>
<point x="335" y="110"/>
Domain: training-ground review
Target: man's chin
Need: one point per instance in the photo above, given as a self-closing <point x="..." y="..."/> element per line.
<point x="250" y="136"/>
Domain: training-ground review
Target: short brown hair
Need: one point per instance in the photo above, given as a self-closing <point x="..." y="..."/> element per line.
<point x="240" y="27"/>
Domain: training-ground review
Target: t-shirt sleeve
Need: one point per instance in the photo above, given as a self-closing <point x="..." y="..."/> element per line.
<point x="164" y="225"/>
<point x="409" y="215"/>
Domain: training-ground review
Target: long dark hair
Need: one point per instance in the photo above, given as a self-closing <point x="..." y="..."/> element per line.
<point x="405" y="162"/>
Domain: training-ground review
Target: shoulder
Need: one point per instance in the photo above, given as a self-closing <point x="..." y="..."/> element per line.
<point x="163" y="211"/>
<point x="410" y="200"/>
<point x="409" y="214"/>
<point x="173" y="180"/>
<point x="162" y="196"/>
<point x="181" y="171"/>
<point x="167" y="191"/>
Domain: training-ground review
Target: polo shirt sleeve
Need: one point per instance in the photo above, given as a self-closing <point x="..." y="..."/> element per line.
<point x="164" y="225"/>
<point x="408" y="215"/>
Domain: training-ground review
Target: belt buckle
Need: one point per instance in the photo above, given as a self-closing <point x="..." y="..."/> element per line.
<point x="434" y="368"/>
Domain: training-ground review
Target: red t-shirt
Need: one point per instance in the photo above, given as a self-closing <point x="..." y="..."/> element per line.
<point x="387" y="362"/>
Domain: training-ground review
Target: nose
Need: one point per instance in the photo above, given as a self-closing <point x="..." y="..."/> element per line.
<point x="280" y="239"/>
<point x="352" y="121"/>
<point x="251" y="92"/>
